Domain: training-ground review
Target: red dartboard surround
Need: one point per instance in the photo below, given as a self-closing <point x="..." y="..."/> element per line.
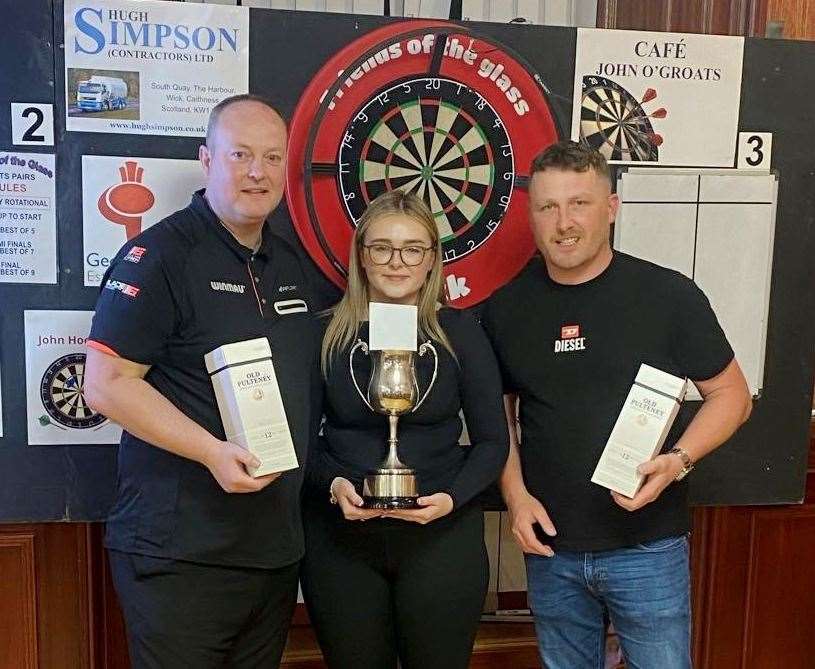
<point x="457" y="119"/>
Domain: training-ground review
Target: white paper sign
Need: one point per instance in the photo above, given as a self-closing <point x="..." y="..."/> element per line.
<point x="32" y="123"/>
<point x="152" y="68"/>
<point x="658" y="98"/>
<point x="55" y="375"/>
<point x="121" y="197"/>
<point x="755" y="150"/>
<point x="392" y="327"/>
<point x="28" y="231"/>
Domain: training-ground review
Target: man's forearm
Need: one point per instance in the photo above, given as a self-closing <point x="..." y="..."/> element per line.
<point x="723" y="411"/>
<point x="147" y="414"/>
<point x="511" y="481"/>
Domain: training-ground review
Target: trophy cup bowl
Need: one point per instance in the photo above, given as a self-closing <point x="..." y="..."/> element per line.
<point x="393" y="391"/>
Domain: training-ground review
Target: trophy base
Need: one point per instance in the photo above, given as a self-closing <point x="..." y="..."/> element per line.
<point x="390" y="489"/>
<point x="390" y="503"/>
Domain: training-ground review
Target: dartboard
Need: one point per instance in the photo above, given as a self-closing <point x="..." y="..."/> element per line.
<point x="432" y="109"/>
<point x="61" y="392"/>
<point x="615" y="123"/>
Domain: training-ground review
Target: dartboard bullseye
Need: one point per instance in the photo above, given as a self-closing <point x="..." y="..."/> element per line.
<point x="430" y="108"/>
<point x="615" y="123"/>
<point x="62" y="393"/>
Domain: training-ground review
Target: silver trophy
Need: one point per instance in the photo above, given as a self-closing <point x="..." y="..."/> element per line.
<point x="392" y="390"/>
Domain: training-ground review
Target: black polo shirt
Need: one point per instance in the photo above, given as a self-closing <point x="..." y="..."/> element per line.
<point x="177" y="291"/>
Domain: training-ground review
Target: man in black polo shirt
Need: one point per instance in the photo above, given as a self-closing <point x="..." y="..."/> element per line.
<point x="570" y="333"/>
<point x="205" y="557"/>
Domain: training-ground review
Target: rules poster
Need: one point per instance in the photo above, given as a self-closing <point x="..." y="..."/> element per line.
<point x="123" y="196"/>
<point x="658" y="98"/>
<point x="152" y="68"/>
<point x="55" y="381"/>
<point x="28" y="231"/>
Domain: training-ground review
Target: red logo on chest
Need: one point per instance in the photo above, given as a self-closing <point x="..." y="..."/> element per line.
<point x="569" y="331"/>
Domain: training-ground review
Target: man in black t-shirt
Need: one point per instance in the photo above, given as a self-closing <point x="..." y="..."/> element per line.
<point x="570" y="333"/>
<point x="205" y="557"/>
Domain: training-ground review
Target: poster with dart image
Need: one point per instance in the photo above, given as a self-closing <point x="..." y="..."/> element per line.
<point x="658" y="98"/>
<point x="57" y="411"/>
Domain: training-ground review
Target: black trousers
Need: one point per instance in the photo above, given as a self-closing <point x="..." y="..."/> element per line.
<point x="182" y="614"/>
<point x="383" y="589"/>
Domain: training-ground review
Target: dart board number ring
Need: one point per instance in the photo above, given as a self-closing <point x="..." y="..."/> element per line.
<point x="430" y="108"/>
<point x="62" y="393"/>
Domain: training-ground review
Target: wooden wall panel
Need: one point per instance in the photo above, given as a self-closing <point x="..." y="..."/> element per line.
<point x="628" y="14"/>
<point x="109" y="640"/>
<point x="781" y="582"/>
<point x="18" y="601"/>
<point x="44" y="608"/>
<point x="797" y="16"/>
<point x="754" y="584"/>
<point x="716" y="17"/>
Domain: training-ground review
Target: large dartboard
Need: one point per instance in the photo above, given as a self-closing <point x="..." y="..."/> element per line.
<point x="429" y="108"/>
<point x="62" y="393"/>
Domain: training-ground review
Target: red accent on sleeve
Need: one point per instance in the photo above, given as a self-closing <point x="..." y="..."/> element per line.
<point x="90" y="343"/>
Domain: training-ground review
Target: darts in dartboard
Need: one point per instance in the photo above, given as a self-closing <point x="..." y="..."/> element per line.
<point x="616" y="123"/>
<point x="62" y="394"/>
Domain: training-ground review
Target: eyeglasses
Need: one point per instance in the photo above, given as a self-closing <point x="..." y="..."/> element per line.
<point x="381" y="254"/>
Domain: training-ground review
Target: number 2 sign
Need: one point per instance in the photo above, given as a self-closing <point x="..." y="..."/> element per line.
<point x="32" y="123"/>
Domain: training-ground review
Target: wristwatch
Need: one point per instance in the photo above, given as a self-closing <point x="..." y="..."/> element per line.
<point x="687" y="463"/>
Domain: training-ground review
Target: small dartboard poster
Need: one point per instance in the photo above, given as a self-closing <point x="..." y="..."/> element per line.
<point x="58" y="413"/>
<point x="658" y="98"/>
<point x="435" y="109"/>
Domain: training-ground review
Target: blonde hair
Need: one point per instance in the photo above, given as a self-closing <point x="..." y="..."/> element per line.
<point x="352" y="309"/>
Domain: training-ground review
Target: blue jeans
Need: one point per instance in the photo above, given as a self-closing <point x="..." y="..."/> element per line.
<point x="644" y="588"/>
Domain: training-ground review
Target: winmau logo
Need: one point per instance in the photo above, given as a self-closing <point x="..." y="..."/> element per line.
<point x="227" y="287"/>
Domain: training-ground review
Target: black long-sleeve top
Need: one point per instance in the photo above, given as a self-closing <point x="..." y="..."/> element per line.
<point x="354" y="441"/>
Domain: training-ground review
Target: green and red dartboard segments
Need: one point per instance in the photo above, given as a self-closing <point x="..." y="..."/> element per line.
<point x="432" y="108"/>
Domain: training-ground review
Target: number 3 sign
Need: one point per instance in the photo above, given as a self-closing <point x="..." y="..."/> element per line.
<point x="32" y="123"/>
<point x="755" y="150"/>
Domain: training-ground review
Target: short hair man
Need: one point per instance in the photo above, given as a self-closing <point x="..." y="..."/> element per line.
<point x="588" y="550"/>
<point x="204" y="556"/>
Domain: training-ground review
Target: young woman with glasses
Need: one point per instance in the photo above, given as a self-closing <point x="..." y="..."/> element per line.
<point x="406" y="584"/>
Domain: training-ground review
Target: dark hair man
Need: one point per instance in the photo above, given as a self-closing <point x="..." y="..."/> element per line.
<point x="587" y="549"/>
<point x="204" y="556"/>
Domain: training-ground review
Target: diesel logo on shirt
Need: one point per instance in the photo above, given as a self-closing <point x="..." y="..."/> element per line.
<point x="570" y="339"/>
<point x="227" y="287"/>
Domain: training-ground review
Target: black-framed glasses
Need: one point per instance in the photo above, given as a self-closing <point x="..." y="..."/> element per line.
<point x="381" y="254"/>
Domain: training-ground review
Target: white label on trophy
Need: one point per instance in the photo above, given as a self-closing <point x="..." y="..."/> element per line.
<point x="250" y="404"/>
<point x="392" y="327"/>
<point x="640" y="430"/>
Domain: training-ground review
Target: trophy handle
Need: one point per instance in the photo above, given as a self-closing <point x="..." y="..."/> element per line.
<point x="424" y="348"/>
<point x="360" y="344"/>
